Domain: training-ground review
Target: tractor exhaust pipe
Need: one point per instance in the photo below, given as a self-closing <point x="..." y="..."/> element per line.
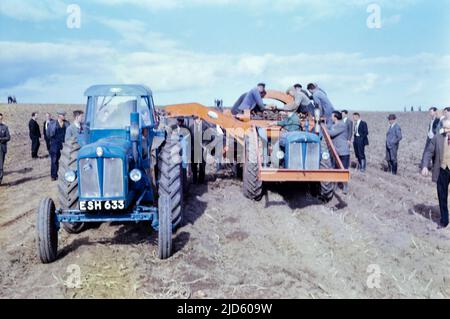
<point x="134" y="131"/>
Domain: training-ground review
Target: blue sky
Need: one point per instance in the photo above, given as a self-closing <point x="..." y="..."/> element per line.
<point x="199" y="50"/>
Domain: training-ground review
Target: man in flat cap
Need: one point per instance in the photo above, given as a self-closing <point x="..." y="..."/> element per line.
<point x="57" y="134"/>
<point x="393" y="138"/>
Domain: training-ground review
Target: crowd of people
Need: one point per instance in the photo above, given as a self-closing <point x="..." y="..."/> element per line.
<point x="55" y="132"/>
<point x="344" y="131"/>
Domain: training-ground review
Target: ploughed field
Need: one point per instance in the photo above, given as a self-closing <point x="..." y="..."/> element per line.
<point x="379" y="241"/>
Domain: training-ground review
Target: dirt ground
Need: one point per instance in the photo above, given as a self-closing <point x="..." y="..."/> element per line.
<point x="379" y="241"/>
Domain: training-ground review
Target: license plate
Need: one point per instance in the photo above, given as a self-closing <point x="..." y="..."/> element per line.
<point x="96" y="205"/>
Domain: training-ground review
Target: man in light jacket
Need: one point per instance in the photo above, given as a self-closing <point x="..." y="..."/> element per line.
<point x="339" y="135"/>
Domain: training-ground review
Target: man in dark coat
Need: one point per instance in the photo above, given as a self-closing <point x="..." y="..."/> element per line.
<point x="4" y="139"/>
<point x="35" y="135"/>
<point x="393" y="138"/>
<point x="360" y="140"/>
<point x="57" y="134"/>
<point x="439" y="149"/>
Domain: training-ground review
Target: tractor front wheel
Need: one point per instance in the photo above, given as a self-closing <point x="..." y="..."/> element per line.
<point x="47" y="231"/>
<point x="68" y="192"/>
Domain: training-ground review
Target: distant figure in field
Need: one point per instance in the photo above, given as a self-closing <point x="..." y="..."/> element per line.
<point x="439" y="149"/>
<point x="4" y="139"/>
<point x="339" y="135"/>
<point x="76" y="127"/>
<point x="57" y="134"/>
<point x="35" y="135"/>
<point x="393" y="138"/>
<point x="433" y="130"/>
<point x="322" y="101"/>
<point x="10" y="99"/>
<point x="360" y="140"/>
<point x="48" y="119"/>
<point x="412" y="108"/>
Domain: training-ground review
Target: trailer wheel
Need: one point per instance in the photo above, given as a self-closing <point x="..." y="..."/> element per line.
<point x="46" y="231"/>
<point x="68" y="192"/>
<point x="170" y="178"/>
<point x="165" y="227"/>
<point x="324" y="190"/>
<point x="252" y="185"/>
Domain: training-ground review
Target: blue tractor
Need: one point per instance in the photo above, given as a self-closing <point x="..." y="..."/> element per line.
<point x="125" y="166"/>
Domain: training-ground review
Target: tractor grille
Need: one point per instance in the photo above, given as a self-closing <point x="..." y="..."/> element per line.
<point x="89" y="178"/>
<point x="312" y="160"/>
<point x="112" y="177"/>
<point x="296" y="156"/>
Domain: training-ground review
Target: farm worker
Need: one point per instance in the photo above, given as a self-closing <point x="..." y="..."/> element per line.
<point x="253" y="100"/>
<point x="4" y="139"/>
<point x="393" y="138"/>
<point x="57" y="134"/>
<point x="301" y="102"/>
<point x="433" y="127"/>
<point x="35" y="135"/>
<point x="439" y="149"/>
<point x="48" y="119"/>
<point x="322" y="101"/>
<point x="76" y="127"/>
<point x="339" y="136"/>
<point x="289" y="125"/>
<point x="235" y="108"/>
<point x="349" y="124"/>
<point x="360" y="140"/>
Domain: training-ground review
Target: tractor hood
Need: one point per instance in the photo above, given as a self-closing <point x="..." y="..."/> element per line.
<point x="111" y="146"/>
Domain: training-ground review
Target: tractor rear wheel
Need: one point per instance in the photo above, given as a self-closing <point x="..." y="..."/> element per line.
<point x="46" y="231"/>
<point x="68" y="192"/>
<point x="324" y="190"/>
<point x="165" y="227"/>
<point x="252" y="185"/>
<point x="170" y="180"/>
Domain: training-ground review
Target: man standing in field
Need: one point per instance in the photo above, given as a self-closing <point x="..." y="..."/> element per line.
<point x="339" y="135"/>
<point x="439" y="149"/>
<point x="48" y="119"/>
<point x="57" y="134"/>
<point x="393" y="138"/>
<point x="349" y="124"/>
<point x="432" y="131"/>
<point x="76" y="127"/>
<point x="4" y="139"/>
<point x="35" y="135"/>
<point x="360" y="140"/>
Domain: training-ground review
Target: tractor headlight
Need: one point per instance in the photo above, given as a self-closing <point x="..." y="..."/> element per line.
<point x="280" y="155"/>
<point x="70" y="176"/>
<point x="99" y="151"/>
<point x="325" y="156"/>
<point x="135" y="175"/>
